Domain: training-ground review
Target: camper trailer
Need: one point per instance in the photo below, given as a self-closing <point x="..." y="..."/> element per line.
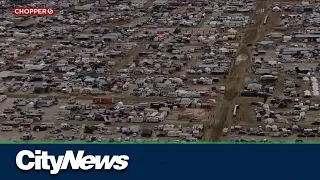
<point x="48" y="124"/>
<point x="10" y="123"/>
<point x="174" y="133"/>
<point x="27" y="136"/>
<point x="72" y="100"/>
<point x="64" y="126"/>
<point x="235" y="111"/>
<point x="6" y="128"/>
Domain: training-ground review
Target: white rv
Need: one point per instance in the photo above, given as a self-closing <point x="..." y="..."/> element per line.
<point x="48" y="124"/>
<point x="6" y="128"/>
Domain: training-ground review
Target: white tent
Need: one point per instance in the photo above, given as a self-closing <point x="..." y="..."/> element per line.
<point x="232" y="31"/>
<point x="269" y="121"/>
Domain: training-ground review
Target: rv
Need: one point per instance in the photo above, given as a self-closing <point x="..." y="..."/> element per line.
<point x="162" y="115"/>
<point x="72" y="100"/>
<point x="48" y="124"/>
<point x="64" y="126"/>
<point x="174" y="133"/>
<point x="9" y="110"/>
<point x="6" y="128"/>
<point x="235" y="111"/>
<point x="26" y="136"/>
<point x="34" y="116"/>
<point x="10" y="123"/>
<point x="45" y="103"/>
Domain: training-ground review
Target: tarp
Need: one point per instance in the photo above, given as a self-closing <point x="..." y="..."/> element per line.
<point x="75" y="76"/>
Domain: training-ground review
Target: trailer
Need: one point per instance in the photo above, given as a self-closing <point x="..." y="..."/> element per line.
<point x="10" y="123"/>
<point x="72" y="100"/>
<point x="265" y="20"/>
<point x="102" y="100"/>
<point x="3" y="97"/>
<point x="48" y="124"/>
<point x="27" y="136"/>
<point x="174" y="133"/>
<point x="6" y="128"/>
<point x="162" y="115"/>
<point x="44" y="103"/>
<point x="24" y="127"/>
<point x="235" y="111"/>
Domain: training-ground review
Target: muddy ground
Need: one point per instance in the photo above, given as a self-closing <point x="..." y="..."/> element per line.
<point x="237" y="74"/>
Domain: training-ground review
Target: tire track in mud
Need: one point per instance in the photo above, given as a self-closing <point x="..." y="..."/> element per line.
<point x="234" y="83"/>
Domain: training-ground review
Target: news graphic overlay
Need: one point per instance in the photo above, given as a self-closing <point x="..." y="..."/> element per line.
<point x="87" y="161"/>
<point x="33" y="11"/>
<point x="41" y="160"/>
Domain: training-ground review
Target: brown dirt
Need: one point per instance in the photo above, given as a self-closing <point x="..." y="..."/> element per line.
<point x="122" y="61"/>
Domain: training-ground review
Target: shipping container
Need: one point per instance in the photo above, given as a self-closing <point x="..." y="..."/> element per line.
<point x="102" y="100"/>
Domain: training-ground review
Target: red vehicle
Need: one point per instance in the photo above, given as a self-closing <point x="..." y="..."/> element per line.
<point x="102" y="100"/>
<point x="25" y="125"/>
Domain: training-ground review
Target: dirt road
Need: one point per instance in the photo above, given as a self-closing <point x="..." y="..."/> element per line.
<point x="239" y="68"/>
<point x="132" y="54"/>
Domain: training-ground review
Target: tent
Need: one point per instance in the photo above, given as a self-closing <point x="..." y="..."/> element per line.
<point x="75" y="76"/>
<point x="269" y="121"/>
<point x="232" y="31"/>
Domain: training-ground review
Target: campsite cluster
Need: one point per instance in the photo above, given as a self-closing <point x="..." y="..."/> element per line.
<point x="163" y="70"/>
<point x="117" y="70"/>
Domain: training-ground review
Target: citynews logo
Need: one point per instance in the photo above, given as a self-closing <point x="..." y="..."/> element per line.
<point x="33" y="11"/>
<point x="40" y="160"/>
